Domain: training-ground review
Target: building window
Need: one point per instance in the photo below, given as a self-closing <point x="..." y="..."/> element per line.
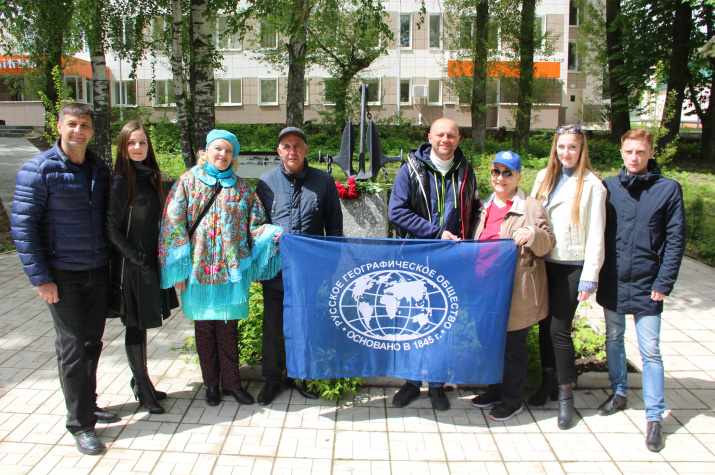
<point x="406" y="30"/>
<point x="574" y="60"/>
<point x="225" y="40"/>
<point x="124" y="93"/>
<point x="466" y="31"/>
<point x="573" y="14"/>
<point x="330" y="91"/>
<point x="122" y="34"/>
<point x="229" y="91"/>
<point x="80" y="89"/>
<point x="268" y="36"/>
<point x="434" y="93"/>
<point x="547" y="90"/>
<point x="268" y="92"/>
<point x="373" y="91"/>
<point x="161" y="30"/>
<point x="405" y="91"/>
<point x="164" y="92"/>
<point x="539" y="24"/>
<point x="435" y="31"/>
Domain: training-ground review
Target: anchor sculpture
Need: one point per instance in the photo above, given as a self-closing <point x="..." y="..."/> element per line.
<point x="368" y="137"/>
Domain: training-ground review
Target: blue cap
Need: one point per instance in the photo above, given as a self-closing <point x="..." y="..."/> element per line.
<point x="226" y="135"/>
<point x="510" y="159"/>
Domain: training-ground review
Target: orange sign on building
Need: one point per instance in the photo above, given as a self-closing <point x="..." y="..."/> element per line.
<point x="19" y="64"/>
<point x="495" y="69"/>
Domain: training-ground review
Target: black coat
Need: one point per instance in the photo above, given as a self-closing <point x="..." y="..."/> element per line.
<point x="645" y="241"/>
<point x="145" y="302"/>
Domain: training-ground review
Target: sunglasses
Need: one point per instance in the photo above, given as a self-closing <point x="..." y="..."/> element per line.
<point x="574" y="129"/>
<point x="505" y="173"/>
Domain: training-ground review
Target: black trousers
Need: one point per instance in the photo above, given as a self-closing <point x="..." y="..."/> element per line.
<point x="555" y="343"/>
<point x="273" y="344"/>
<point x="516" y="361"/>
<point x="79" y="318"/>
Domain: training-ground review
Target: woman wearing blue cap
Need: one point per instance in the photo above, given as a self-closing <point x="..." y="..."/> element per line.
<point x="214" y="242"/>
<point x="510" y="214"/>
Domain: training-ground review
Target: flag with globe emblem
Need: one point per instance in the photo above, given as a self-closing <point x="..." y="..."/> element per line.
<point x="427" y="310"/>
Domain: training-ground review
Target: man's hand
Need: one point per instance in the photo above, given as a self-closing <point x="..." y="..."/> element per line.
<point x="522" y="236"/>
<point x="582" y="296"/>
<point x="657" y="296"/>
<point x="48" y="292"/>
<point x="447" y="235"/>
<point x="180" y="286"/>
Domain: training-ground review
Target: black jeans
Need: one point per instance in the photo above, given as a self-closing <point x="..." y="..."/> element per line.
<point x="273" y="344"/>
<point x="515" y="364"/>
<point x="555" y="334"/>
<point x="79" y="318"/>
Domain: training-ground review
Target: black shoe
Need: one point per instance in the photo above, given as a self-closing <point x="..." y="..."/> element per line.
<point x="302" y="388"/>
<point x="158" y="395"/>
<point x="213" y="395"/>
<point x="407" y="393"/>
<point x="565" y="408"/>
<point x="88" y="443"/>
<point x="268" y="393"/>
<point x="241" y="396"/>
<point x="104" y="416"/>
<point x="487" y="399"/>
<point x="549" y="388"/>
<point x="504" y="412"/>
<point x="654" y="436"/>
<point x="613" y="404"/>
<point x="438" y="398"/>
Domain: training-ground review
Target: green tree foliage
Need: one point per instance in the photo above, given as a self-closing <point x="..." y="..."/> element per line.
<point x="44" y="30"/>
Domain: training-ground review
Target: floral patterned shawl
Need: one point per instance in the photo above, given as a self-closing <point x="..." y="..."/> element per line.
<point x="231" y="247"/>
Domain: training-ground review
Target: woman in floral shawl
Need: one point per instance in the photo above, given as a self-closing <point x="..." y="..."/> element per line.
<point x="213" y="268"/>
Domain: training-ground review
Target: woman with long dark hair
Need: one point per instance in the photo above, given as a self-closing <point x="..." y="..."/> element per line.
<point x="133" y="215"/>
<point x="575" y="201"/>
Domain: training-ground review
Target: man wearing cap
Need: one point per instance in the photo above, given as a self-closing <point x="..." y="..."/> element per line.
<point x="434" y="196"/>
<point x="302" y="200"/>
<point x="509" y="213"/>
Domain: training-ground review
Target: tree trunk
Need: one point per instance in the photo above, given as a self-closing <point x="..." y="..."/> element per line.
<point x="177" y="70"/>
<point x="479" y="87"/>
<point x="526" y="75"/>
<point x="102" y="107"/>
<point x="295" y="89"/>
<point x="707" y="144"/>
<point x="204" y="97"/>
<point x="620" y="111"/>
<point x="678" y="74"/>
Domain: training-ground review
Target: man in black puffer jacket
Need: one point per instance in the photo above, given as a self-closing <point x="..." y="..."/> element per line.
<point x="645" y="242"/>
<point x="302" y="200"/>
<point x="434" y="196"/>
<point x="58" y="228"/>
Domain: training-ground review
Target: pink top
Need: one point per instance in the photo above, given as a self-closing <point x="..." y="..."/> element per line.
<point x="494" y="219"/>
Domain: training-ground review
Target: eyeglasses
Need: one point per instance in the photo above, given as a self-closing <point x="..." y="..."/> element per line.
<point x="574" y="129"/>
<point x="506" y="173"/>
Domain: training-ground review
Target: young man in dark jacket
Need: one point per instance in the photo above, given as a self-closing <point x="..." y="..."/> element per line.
<point x="302" y="200"/>
<point x="434" y="196"/>
<point x="645" y="241"/>
<point x="58" y="228"/>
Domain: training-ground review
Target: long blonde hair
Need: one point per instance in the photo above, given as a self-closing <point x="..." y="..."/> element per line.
<point x="553" y="175"/>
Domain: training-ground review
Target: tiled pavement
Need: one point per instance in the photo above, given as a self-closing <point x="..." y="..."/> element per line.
<point x="364" y="434"/>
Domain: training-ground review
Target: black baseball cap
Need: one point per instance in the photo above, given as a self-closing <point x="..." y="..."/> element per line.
<point x="293" y="131"/>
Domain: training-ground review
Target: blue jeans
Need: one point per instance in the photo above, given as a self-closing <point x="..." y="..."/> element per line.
<point x="79" y="318"/>
<point x="648" y="331"/>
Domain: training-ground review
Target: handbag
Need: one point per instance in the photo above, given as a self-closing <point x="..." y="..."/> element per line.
<point x="205" y="210"/>
<point x="116" y="289"/>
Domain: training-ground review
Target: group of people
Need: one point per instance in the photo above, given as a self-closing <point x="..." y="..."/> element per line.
<point x="624" y="238"/>
<point x="77" y="227"/>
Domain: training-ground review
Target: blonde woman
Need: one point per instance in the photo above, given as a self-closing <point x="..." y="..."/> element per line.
<point x="575" y="201"/>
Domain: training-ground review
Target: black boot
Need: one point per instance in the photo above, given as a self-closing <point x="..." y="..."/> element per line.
<point x="549" y="388"/>
<point x="565" y="407"/>
<point x="159" y="395"/>
<point x="142" y="387"/>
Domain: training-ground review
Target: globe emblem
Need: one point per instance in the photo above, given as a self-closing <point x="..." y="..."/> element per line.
<point x="391" y="305"/>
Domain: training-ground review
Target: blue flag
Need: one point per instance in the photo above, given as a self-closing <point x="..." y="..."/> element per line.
<point x="426" y="310"/>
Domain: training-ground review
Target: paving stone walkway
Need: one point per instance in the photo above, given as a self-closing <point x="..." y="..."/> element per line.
<point x="364" y="434"/>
